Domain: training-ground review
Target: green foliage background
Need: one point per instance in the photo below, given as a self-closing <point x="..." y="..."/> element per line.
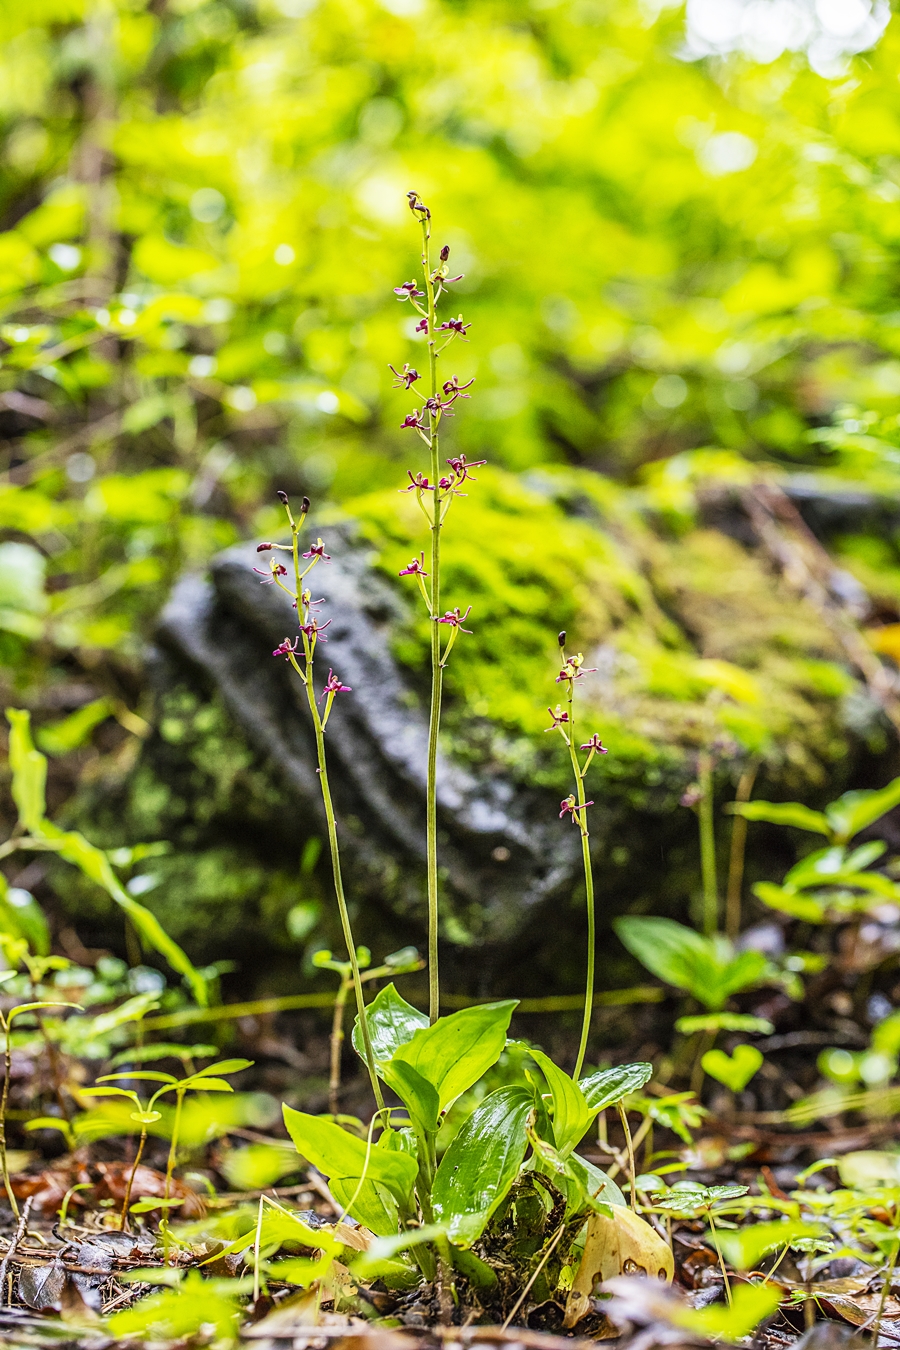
<point x="673" y="268"/>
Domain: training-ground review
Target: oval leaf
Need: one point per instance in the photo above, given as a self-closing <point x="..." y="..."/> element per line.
<point x="391" y="1021"/>
<point x="457" y="1050"/>
<point x="608" y="1086"/>
<point x="481" y="1164"/>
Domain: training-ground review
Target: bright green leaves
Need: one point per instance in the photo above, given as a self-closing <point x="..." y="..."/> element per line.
<point x="29" y="770"/>
<point x="454" y="1053"/>
<point x="450" y="1056"/>
<point x="392" y="1022"/>
<point x="481" y="1163"/>
<point x="379" y="1178"/>
<point x="708" y="968"/>
<point x="572" y="1113"/>
<point x="418" y="1095"/>
<point x="734" y="1070"/>
<point x="607" y="1087"/>
<point x="839" y="822"/>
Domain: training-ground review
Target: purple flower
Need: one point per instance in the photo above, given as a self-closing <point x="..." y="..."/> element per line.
<point x="692" y="796"/>
<point x="559" y="717"/>
<point x="456" y="326"/>
<point x="596" y="745"/>
<point x="408" y="291"/>
<point x="276" y="570"/>
<point x="454" y="618"/>
<point x="461" y="467"/>
<point x="569" y="806"/>
<point x="318" y="551"/>
<point x="412" y="420"/>
<point x="313" y="629"/>
<point x="453" y="388"/>
<point x="422" y="326"/>
<point x="334" y="686"/>
<point x="419" y="483"/>
<point x="287" y="648"/>
<point x="405" y="378"/>
<point x="416" y="567"/>
<point x="264" y="548"/>
<point x="572" y="669"/>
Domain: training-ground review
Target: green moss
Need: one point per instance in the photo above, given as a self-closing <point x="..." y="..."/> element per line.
<point x="692" y="635"/>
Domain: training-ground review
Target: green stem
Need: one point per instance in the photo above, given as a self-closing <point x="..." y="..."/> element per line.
<point x="708" y="846"/>
<point x="337" y="1041"/>
<point x="581" y="818"/>
<point x="173" y="1145"/>
<point x="715" y="1237"/>
<point x="437" y="670"/>
<point x="339" y="888"/>
<point x="123" y="1218"/>
<point x="4" y="1098"/>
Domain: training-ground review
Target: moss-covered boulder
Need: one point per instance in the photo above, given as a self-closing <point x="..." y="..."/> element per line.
<point x="694" y="641"/>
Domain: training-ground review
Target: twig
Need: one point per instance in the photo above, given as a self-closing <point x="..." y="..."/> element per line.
<point x="21" y="1229"/>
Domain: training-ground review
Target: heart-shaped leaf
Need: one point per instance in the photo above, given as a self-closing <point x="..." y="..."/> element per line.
<point x="735" y="1070"/>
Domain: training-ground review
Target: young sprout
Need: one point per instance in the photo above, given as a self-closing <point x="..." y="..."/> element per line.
<point x="6" y="1021"/>
<point x="204" y="1080"/>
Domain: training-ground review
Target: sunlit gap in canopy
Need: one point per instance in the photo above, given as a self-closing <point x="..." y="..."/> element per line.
<point x="828" y="31"/>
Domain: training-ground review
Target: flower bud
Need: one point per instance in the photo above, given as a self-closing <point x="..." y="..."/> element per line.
<point x="445" y="253"/>
<point x="304" y="505"/>
<point x="264" y="548"/>
<point x="282" y="497"/>
<point x="561" y="638"/>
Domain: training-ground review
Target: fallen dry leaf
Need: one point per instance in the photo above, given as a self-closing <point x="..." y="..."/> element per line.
<point x="624" y="1244"/>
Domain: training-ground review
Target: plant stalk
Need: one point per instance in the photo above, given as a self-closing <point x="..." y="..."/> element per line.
<point x="437" y="669"/>
<point x="737" y="854"/>
<point x="708" y="846"/>
<point x="581" y="817"/>
<point x="4" y="1099"/>
<point x="337" y="1041"/>
<point x="173" y="1144"/>
<point x="123" y="1218"/>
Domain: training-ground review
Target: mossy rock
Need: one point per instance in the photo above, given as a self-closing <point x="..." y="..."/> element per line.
<point x="694" y="640"/>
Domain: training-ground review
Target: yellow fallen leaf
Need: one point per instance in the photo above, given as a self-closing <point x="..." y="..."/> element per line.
<point x="625" y="1244"/>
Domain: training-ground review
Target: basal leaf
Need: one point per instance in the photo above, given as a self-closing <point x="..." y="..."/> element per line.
<point x="571" y="1112"/>
<point x="369" y="1203"/>
<point x="338" y="1154"/>
<point x="457" y="1050"/>
<point x="392" y="1022"/>
<point x="481" y="1164"/>
<point x="417" y="1094"/>
<point x="608" y="1086"/>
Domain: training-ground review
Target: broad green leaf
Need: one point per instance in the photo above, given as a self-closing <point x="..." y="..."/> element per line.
<point x="571" y="1112"/>
<point x="854" y="811"/>
<point x="21" y="916"/>
<point x="708" y="968"/>
<point x="750" y="1304"/>
<point x="608" y="1086"/>
<point x="746" y="1247"/>
<point x="386" y="1247"/>
<point x="734" y="1070"/>
<point x="599" y="1189"/>
<point x="417" y="1094"/>
<point x="29" y="772"/>
<point x="224" y="1066"/>
<point x="338" y="1154"/>
<point x="391" y="1021"/>
<point x="783" y="813"/>
<point x="788" y="901"/>
<point x="455" y="1052"/>
<point x="94" y="863"/>
<point x="481" y="1163"/>
<point x="368" y="1202"/>
<point x="139" y="1076"/>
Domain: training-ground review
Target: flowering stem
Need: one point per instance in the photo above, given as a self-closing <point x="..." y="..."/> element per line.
<point x="437" y="670"/>
<point x="304" y="613"/>
<point x="581" y="819"/>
